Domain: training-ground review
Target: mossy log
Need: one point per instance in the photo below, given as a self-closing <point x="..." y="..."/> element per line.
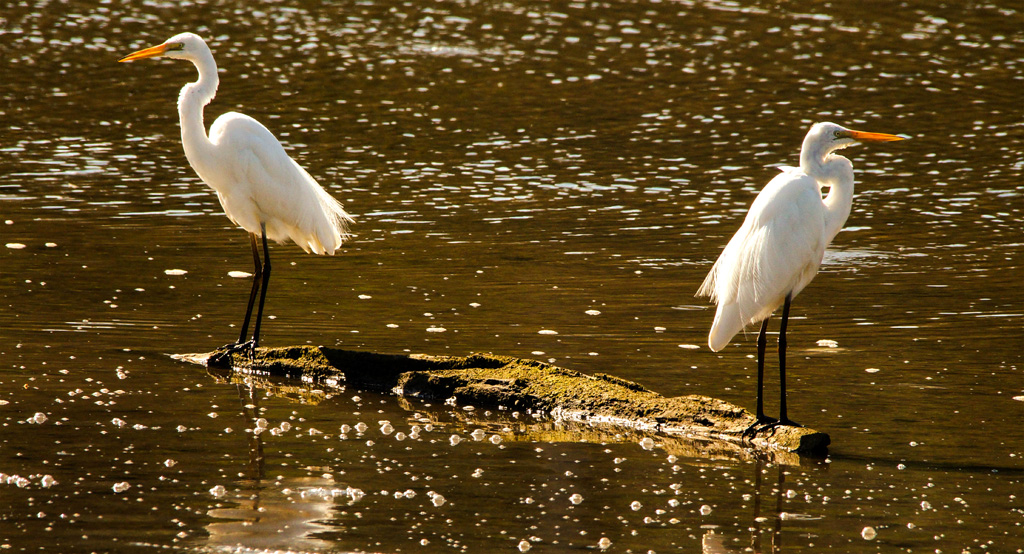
<point x="486" y="380"/>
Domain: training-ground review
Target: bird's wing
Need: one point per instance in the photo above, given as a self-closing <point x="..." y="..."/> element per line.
<point x="274" y="189"/>
<point x="788" y="238"/>
<point x="776" y="251"/>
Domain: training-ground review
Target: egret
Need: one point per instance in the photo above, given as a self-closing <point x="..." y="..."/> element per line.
<point x="778" y="248"/>
<point x="260" y="188"/>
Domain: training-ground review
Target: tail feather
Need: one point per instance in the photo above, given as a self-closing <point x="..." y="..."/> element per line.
<point x="709" y="287"/>
<point x="330" y="237"/>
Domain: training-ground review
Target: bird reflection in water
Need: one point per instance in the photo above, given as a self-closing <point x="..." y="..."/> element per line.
<point x="764" y="537"/>
<point x="281" y="514"/>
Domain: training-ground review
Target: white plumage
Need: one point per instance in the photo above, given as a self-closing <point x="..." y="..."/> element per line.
<point x="260" y="187"/>
<point x="258" y="183"/>
<point x="777" y="250"/>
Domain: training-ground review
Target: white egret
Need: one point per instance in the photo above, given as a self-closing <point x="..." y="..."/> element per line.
<point x="777" y="250"/>
<point x="260" y="187"/>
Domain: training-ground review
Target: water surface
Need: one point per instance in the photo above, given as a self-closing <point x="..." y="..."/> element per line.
<point x="514" y="168"/>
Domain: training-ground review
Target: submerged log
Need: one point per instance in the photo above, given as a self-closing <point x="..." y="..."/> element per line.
<point x="486" y="380"/>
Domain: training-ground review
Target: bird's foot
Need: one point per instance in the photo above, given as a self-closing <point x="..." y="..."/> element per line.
<point x="763" y="422"/>
<point x="224" y="354"/>
<point x="783" y="422"/>
<point x="787" y="421"/>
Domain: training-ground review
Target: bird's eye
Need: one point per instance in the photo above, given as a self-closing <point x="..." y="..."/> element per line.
<point x="837" y="134"/>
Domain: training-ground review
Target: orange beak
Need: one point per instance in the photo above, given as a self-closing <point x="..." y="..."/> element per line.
<point x="874" y="137"/>
<point x="152" y="52"/>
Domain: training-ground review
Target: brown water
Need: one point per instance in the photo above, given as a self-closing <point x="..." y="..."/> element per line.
<point x="513" y="167"/>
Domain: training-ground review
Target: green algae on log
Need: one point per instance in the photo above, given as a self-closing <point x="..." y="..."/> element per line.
<point x="486" y="380"/>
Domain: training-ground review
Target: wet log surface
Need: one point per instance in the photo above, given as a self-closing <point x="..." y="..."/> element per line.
<point x="486" y="380"/>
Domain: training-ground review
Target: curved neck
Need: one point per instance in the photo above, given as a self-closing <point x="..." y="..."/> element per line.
<point x="193" y="97"/>
<point x="835" y="172"/>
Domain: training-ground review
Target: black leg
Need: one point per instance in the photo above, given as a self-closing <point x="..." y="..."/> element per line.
<point x="762" y="341"/>
<point x="783" y="419"/>
<point x="223" y="357"/>
<point x="263" y="292"/>
<point x="257" y="276"/>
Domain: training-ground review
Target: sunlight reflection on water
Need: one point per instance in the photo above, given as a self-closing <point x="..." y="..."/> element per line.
<point x="514" y="168"/>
